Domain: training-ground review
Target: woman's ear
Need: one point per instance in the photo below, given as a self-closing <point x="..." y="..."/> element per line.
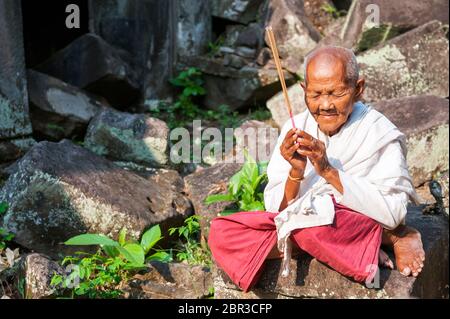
<point x="360" y="86"/>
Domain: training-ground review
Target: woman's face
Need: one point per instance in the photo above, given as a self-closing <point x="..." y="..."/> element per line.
<point x="328" y="96"/>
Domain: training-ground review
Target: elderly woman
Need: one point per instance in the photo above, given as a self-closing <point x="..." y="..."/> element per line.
<point x="338" y="187"/>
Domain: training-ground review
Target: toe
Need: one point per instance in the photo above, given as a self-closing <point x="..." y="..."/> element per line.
<point x="415" y="266"/>
<point x="419" y="261"/>
<point x="406" y="271"/>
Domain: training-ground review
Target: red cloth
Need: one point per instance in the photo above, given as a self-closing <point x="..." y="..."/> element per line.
<point x="241" y="242"/>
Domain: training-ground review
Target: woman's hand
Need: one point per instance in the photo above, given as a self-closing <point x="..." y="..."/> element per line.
<point x="289" y="151"/>
<point x="315" y="150"/>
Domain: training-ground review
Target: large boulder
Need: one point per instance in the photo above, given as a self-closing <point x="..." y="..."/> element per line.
<point x="60" y="190"/>
<point x="310" y="278"/>
<point x="241" y="11"/>
<point x="14" y="117"/>
<point x="129" y="137"/>
<point x="278" y="108"/>
<point x="413" y="63"/>
<point x="193" y="27"/>
<point x="148" y="30"/>
<point x="294" y="33"/>
<point x="59" y="110"/>
<point x="170" y="281"/>
<point x="235" y="88"/>
<point x="424" y="120"/>
<point x="201" y="184"/>
<point x="106" y="70"/>
<point x="361" y="31"/>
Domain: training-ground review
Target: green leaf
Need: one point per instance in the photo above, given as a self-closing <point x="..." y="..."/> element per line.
<point x="122" y="236"/>
<point x="235" y="183"/>
<point x="111" y="251"/>
<point x="150" y="238"/>
<point x="160" y="256"/>
<point x="133" y="253"/>
<point x="91" y="239"/>
<point x="254" y="206"/>
<point x="214" y="198"/>
<point x="3" y="207"/>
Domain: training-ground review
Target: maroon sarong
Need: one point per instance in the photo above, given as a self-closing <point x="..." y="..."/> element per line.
<point x="240" y="243"/>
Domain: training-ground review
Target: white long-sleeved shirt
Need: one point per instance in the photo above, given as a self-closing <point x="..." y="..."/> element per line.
<point x="369" y="153"/>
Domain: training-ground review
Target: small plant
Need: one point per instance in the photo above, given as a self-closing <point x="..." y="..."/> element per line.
<point x="260" y="114"/>
<point x="185" y="109"/>
<point x="5" y="236"/>
<point x="100" y="275"/>
<point x="214" y="47"/>
<point x="189" y="249"/>
<point x="330" y="9"/>
<point x="245" y="188"/>
<point x="224" y="116"/>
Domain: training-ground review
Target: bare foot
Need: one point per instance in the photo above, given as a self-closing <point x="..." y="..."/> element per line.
<point x="407" y="244"/>
<point x="384" y="260"/>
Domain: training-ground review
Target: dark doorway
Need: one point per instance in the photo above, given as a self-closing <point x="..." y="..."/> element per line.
<point x="44" y="27"/>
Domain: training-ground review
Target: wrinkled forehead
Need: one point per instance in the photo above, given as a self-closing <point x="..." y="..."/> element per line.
<point x="326" y="68"/>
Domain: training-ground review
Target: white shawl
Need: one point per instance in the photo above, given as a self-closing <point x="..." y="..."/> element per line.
<point x="369" y="153"/>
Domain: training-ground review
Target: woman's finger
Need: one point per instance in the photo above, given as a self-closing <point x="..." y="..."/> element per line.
<point x="305" y="135"/>
<point x="290" y="151"/>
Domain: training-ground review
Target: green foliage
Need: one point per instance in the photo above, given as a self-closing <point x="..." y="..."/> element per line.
<point x="189" y="249"/>
<point x="185" y="109"/>
<point x="259" y="114"/>
<point x="331" y="10"/>
<point x="5" y="236"/>
<point x="224" y="116"/>
<point x="214" y="47"/>
<point x="245" y="188"/>
<point x="377" y="35"/>
<point x="55" y="127"/>
<point x="101" y="274"/>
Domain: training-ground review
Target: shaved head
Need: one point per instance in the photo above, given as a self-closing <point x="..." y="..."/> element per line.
<point x="332" y="85"/>
<point x="331" y="57"/>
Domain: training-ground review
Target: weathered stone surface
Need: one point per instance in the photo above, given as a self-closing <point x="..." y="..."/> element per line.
<point x="148" y="30"/>
<point x="278" y="108"/>
<point x="60" y="190"/>
<point x="413" y="63"/>
<point x="129" y="137"/>
<point x="171" y="281"/>
<point x="258" y="138"/>
<point x="294" y="33"/>
<point x="193" y="27"/>
<point x="424" y="120"/>
<point x="38" y="271"/>
<point x="14" y="118"/>
<point x="403" y="14"/>
<point x="242" y="11"/>
<point x="106" y="71"/>
<point x="311" y="279"/>
<point x="211" y="180"/>
<point x="235" y="88"/>
<point x="58" y="109"/>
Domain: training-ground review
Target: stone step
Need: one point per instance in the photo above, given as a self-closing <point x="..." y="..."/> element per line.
<point x="310" y="278"/>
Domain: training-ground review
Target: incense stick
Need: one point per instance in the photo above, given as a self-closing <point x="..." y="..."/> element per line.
<point x="276" y="57"/>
